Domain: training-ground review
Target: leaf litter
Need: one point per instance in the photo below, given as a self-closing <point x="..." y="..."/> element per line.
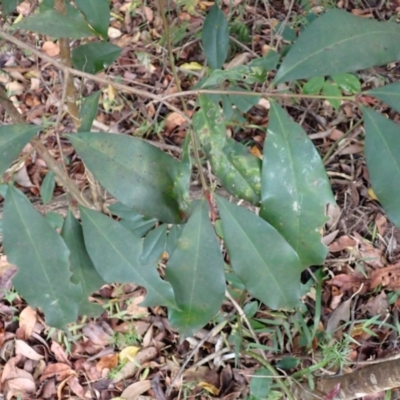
<point x="358" y="301"/>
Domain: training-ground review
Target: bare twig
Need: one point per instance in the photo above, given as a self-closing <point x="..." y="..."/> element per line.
<point x="43" y="152"/>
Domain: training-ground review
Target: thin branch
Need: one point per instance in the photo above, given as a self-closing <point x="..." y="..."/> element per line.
<point x="17" y="118"/>
<point x="75" y="72"/>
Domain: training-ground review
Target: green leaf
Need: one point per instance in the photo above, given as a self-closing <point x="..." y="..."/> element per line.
<point x="43" y="277"/>
<point x="215" y="37"/>
<point x="132" y="220"/>
<point x="88" y="111"/>
<point x="287" y="33"/>
<point x="138" y="174"/>
<point x="260" y="256"/>
<point x="295" y="187"/>
<point x="245" y="73"/>
<point x="57" y="25"/>
<point x="154" y="245"/>
<point x="336" y="42"/>
<point x="332" y="89"/>
<point x="232" y="163"/>
<point x="54" y="219"/>
<point x="97" y="13"/>
<point x="382" y="149"/>
<point x="390" y="94"/>
<point x="196" y="273"/>
<point x="47" y="188"/>
<point x="115" y="252"/>
<point x="173" y="236"/>
<point x="348" y="83"/>
<point x="260" y="384"/>
<point x="243" y="103"/>
<point x="83" y="271"/>
<point x="314" y="85"/>
<point x="8" y="6"/>
<point x="267" y="63"/>
<point x="182" y="179"/>
<point x="13" y="138"/>
<point x="94" y="57"/>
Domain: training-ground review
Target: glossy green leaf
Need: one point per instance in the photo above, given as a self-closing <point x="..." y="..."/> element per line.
<point x="174" y="234"/>
<point x="83" y="271"/>
<point x="268" y="62"/>
<point x="57" y="25"/>
<point x="13" y="138"/>
<point x="183" y="177"/>
<point x="390" y="94"/>
<point x="287" y="32"/>
<point x="154" y="245"/>
<point x="295" y="187"/>
<point x="260" y="384"/>
<point x="132" y="220"/>
<point x="260" y="256"/>
<point x="314" y="85"/>
<point x="94" y="57"/>
<point x="215" y="37"/>
<point x="382" y="149"/>
<point x="243" y="73"/>
<point x="42" y="258"/>
<point x="238" y="170"/>
<point x="332" y="89"/>
<point x="47" y="187"/>
<point x="139" y="175"/>
<point x="3" y="190"/>
<point x="88" y="111"/>
<point x="97" y="13"/>
<point x="243" y="103"/>
<point x="337" y="42"/>
<point x="196" y="273"/>
<point x="115" y="252"/>
<point x="8" y="6"/>
<point x="348" y="83"/>
<point x="54" y="219"/>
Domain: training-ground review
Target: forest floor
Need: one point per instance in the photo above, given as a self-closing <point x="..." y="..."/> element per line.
<point x="359" y="312"/>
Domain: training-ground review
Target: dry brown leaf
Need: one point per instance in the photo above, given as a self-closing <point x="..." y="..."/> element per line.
<point x="133" y="391"/>
<point x="342" y="313"/>
<point x="108" y="361"/>
<point x="15" y="381"/>
<point x="25" y="350"/>
<point x="15" y="88"/>
<point x="378" y="305"/>
<point x="96" y="334"/>
<point x="59" y="353"/>
<point x="348" y="282"/>
<point x="381" y="223"/>
<point x="368" y="253"/>
<point x="24" y="8"/>
<point x="336" y="134"/>
<point x="27" y="321"/>
<point x="239" y="59"/>
<point x="344" y="242"/>
<point x="388" y="277"/>
<point x="51" y="49"/>
<point x="60" y="371"/>
<point x="172" y="121"/>
<point x="76" y="387"/>
<point x="148" y="12"/>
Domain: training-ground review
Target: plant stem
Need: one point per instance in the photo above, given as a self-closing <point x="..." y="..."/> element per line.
<point x="193" y="136"/>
